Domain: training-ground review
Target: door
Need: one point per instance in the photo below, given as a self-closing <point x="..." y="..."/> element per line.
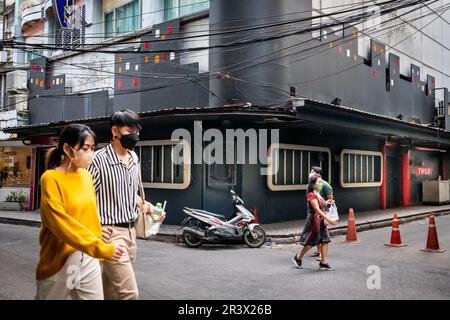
<point x="40" y="169"/>
<point x="218" y="180"/>
<point x="393" y="180"/>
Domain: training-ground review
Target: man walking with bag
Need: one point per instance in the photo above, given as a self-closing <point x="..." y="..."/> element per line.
<point x="116" y="176"/>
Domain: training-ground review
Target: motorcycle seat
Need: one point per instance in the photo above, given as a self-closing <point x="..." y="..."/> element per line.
<point x="220" y="216"/>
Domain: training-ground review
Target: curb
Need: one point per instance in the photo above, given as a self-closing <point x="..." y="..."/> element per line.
<point x="30" y="223"/>
<point x="364" y="226"/>
<point x="276" y="239"/>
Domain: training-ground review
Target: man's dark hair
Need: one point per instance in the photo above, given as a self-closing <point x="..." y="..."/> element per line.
<point x="317" y="170"/>
<point x="124" y="118"/>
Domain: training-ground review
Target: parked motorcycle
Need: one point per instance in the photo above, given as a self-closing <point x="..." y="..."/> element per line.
<point x="201" y="225"/>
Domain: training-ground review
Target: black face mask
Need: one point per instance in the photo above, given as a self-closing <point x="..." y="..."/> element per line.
<point x="128" y="141"/>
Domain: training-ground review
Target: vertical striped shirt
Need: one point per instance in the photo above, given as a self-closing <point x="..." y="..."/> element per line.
<point x="116" y="186"/>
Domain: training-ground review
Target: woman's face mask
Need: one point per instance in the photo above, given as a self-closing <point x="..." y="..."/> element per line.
<point x="318" y="187"/>
<point x="81" y="158"/>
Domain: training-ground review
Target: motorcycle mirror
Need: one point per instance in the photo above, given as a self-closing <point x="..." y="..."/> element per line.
<point x="232" y="192"/>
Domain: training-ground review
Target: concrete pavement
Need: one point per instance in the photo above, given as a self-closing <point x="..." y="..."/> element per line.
<point x="236" y="272"/>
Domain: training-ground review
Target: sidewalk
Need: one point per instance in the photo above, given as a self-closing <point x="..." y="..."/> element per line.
<point x="279" y="232"/>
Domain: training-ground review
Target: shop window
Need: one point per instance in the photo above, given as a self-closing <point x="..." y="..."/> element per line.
<point x="158" y="168"/>
<point x="294" y="164"/>
<point x="360" y="169"/>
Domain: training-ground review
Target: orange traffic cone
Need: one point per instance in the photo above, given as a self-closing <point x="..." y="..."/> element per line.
<point x="396" y="240"/>
<point x="255" y="214"/>
<point x="351" y="227"/>
<point x="432" y="240"/>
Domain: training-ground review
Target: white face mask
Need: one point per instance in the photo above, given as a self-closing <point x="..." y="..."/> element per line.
<point x="82" y="160"/>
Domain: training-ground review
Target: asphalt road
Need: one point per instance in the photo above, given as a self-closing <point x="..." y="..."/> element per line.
<point x="173" y="271"/>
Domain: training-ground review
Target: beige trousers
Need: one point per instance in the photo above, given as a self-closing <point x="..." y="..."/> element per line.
<point x="80" y="278"/>
<point x="119" y="282"/>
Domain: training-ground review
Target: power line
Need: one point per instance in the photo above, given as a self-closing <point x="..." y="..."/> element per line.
<point x="154" y="88"/>
<point x="147" y="52"/>
<point x="225" y="21"/>
<point x="147" y="89"/>
<point x="248" y="29"/>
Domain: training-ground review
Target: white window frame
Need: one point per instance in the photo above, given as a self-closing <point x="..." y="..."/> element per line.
<point x="360" y="184"/>
<point x="186" y="164"/>
<point x="113" y="10"/>
<point x="283" y="146"/>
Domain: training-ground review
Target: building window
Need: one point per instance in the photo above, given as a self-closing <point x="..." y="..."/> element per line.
<point x="75" y="37"/>
<point x="34" y="54"/>
<point x="178" y="8"/>
<point x="158" y="168"/>
<point x="294" y="163"/>
<point x="360" y="169"/>
<point x="124" y="19"/>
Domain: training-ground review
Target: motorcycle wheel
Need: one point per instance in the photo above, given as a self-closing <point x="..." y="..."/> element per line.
<point x="255" y="241"/>
<point x="190" y="240"/>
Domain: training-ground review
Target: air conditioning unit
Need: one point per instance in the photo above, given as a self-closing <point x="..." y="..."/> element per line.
<point x="3" y="56"/>
<point x="16" y="81"/>
<point x="17" y="102"/>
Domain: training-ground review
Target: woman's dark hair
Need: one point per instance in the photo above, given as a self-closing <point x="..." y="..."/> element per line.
<point x="312" y="182"/>
<point x="73" y="134"/>
<point x="125" y="118"/>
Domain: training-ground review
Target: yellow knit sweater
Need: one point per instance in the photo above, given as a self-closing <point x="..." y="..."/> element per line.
<point x="69" y="221"/>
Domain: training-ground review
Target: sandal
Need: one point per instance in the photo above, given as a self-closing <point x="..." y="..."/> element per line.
<point x="315" y="254"/>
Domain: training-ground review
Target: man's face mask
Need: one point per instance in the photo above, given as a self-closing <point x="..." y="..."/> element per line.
<point x="81" y="158"/>
<point x="128" y="141"/>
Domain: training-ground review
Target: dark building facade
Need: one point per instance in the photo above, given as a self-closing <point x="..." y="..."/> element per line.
<point x="376" y="133"/>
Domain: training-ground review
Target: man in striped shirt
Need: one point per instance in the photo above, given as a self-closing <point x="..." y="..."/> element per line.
<point x="116" y="176"/>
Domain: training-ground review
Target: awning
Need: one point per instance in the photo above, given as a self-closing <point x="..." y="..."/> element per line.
<point x="339" y="118"/>
<point x="249" y="113"/>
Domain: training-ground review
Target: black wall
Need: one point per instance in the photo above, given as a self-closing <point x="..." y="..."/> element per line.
<point x="262" y="73"/>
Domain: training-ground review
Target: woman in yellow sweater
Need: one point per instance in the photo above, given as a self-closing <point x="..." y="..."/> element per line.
<point x="70" y="235"/>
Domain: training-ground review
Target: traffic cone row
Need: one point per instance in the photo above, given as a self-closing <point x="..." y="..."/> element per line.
<point x="396" y="241"/>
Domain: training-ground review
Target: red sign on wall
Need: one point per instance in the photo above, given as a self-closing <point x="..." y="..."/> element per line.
<point x="423" y="171"/>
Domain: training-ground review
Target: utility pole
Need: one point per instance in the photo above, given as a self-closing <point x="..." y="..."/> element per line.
<point x="2" y="46"/>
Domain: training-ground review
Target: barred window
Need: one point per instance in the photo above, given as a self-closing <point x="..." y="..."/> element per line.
<point x="360" y="168"/>
<point x="75" y="37"/>
<point x="158" y="168"/>
<point x="294" y="164"/>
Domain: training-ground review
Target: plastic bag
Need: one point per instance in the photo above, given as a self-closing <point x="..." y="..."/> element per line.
<point x="333" y="212"/>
